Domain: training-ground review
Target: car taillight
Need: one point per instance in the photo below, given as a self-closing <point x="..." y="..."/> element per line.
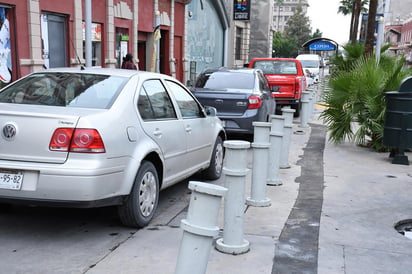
<point x="254" y="102"/>
<point x="297" y="85"/>
<point x="77" y="140"/>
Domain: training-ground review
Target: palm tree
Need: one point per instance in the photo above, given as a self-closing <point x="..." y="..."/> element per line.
<point x="370" y="31"/>
<point x="353" y="7"/>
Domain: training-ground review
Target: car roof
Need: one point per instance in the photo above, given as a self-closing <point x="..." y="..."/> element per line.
<point x="105" y="71"/>
<point x="274" y="59"/>
<point x="234" y="70"/>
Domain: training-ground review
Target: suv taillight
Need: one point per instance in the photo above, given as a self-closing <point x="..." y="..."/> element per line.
<point x="254" y="102"/>
<point x="80" y="140"/>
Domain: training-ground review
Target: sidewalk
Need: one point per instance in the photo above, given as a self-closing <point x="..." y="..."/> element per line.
<point x="364" y="197"/>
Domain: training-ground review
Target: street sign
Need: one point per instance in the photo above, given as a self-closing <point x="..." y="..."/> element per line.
<point x="322" y="45"/>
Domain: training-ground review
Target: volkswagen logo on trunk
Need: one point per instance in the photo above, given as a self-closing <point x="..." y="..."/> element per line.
<point x="9" y="132"/>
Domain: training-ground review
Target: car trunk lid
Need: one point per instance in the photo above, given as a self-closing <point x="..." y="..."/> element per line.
<point x="286" y="84"/>
<point x="26" y="132"/>
<point x="226" y="101"/>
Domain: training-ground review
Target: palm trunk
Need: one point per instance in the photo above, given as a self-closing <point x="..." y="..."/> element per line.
<point x="370" y="31"/>
<point x="356" y="14"/>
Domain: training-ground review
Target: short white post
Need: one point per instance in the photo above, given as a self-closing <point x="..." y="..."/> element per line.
<point x="287" y="113"/>
<point x="235" y="171"/>
<point x="260" y="147"/>
<point x="199" y="228"/>
<point x="314" y="100"/>
<point x="306" y="108"/>
<point x="276" y="139"/>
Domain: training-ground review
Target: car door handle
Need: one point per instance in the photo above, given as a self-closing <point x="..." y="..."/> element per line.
<point x="188" y="129"/>
<point x="157" y="132"/>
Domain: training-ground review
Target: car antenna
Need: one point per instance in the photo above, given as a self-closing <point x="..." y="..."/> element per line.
<point x="77" y="56"/>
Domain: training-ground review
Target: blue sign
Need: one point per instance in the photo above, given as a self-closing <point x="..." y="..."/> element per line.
<point x="322" y="45"/>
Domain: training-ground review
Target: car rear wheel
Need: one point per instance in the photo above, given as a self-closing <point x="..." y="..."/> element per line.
<point x="140" y="206"/>
<point x="214" y="171"/>
<point x="297" y="107"/>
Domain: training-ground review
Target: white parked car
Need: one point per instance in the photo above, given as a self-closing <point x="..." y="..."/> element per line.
<point x="103" y="137"/>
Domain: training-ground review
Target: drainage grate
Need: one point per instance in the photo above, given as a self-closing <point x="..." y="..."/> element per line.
<point x="405" y="228"/>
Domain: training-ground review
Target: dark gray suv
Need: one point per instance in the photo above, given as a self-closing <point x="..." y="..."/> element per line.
<point x="241" y="96"/>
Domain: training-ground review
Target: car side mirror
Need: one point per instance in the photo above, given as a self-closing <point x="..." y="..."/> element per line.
<point x="210" y="111"/>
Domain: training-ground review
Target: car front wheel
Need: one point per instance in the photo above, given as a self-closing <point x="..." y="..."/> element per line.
<point x="140" y="206"/>
<point x="214" y="171"/>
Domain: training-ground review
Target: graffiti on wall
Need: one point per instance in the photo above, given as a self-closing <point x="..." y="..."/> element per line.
<point x="205" y="36"/>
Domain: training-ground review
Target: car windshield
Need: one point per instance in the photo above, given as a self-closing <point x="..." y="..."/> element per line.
<point x="278" y="67"/>
<point x="226" y="80"/>
<point x="64" y="89"/>
<point x="309" y="63"/>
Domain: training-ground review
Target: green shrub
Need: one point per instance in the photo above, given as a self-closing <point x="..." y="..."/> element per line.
<point x="355" y="101"/>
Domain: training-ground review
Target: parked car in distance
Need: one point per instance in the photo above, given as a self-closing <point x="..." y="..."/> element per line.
<point x="312" y="63"/>
<point x="240" y="96"/>
<point x="286" y="74"/>
<point x="103" y="137"/>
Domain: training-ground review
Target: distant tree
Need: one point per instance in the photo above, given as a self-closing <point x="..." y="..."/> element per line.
<point x="317" y="34"/>
<point x="298" y="27"/>
<point x="284" y="47"/>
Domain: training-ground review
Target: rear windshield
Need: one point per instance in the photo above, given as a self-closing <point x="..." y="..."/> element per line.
<point x="309" y="63"/>
<point x="279" y="67"/>
<point x="64" y="89"/>
<point x="226" y="80"/>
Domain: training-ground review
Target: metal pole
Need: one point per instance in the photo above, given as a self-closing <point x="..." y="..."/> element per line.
<point x="157" y="24"/>
<point x="88" y="32"/>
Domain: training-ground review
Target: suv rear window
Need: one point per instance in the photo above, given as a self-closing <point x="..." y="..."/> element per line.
<point x="278" y="67"/>
<point x="64" y="89"/>
<point x="225" y="80"/>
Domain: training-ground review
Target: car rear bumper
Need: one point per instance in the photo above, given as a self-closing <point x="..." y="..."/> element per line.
<point x="69" y="184"/>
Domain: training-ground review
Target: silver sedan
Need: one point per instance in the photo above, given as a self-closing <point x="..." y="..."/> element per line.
<point x="103" y="137"/>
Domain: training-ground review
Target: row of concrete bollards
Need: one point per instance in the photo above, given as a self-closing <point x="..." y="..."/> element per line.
<point x="271" y="145"/>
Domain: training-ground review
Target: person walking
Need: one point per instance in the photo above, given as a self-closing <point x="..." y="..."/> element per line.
<point x="128" y="62"/>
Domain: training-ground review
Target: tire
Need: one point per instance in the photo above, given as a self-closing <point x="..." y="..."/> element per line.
<point x="139" y="208"/>
<point x="214" y="171"/>
<point x="297" y="107"/>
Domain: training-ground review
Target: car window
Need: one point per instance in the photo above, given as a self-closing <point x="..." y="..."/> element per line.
<point x="278" y="67"/>
<point x="65" y="89"/>
<point x="225" y="80"/>
<point x="154" y="102"/>
<point x="187" y="105"/>
<point x="263" y="83"/>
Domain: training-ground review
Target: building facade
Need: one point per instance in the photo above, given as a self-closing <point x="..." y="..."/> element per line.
<point x="284" y="9"/>
<point x="398" y="27"/>
<point x="51" y="34"/>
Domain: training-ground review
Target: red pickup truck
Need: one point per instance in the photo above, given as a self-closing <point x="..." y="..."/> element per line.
<point x="288" y="76"/>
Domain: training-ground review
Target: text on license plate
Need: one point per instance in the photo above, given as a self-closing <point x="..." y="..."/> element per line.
<point x="11" y="179"/>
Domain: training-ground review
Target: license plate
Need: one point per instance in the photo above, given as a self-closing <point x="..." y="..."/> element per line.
<point x="223" y="123"/>
<point x="11" y="179"/>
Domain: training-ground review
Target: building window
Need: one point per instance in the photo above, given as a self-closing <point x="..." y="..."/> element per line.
<point x="238" y="44"/>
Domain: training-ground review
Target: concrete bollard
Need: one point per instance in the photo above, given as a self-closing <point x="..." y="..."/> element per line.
<point x="260" y="147"/>
<point x="276" y="139"/>
<point x="314" y="100"/>
<point x="306" y="108"/>
<point x="199" y="228"/>
<point x="287" y="113"/>
<point x="235" y="171"/>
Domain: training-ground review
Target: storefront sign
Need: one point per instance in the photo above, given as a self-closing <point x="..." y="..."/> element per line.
<point x="241" y="10"/>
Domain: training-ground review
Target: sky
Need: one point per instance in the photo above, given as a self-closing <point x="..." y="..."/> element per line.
<point x="323" y="16"/>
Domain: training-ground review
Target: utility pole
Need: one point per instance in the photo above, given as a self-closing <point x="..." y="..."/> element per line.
<point x="88" y="32"/>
